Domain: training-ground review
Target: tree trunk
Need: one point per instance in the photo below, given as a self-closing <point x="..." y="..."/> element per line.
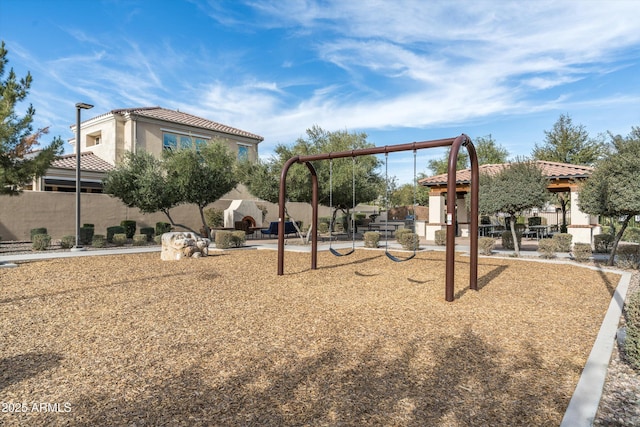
<point x="563" y="205"/>
<point x="512" y="225"/>
<point x="612" y="257"/>
<point x="205" y="227"/>
<point x="166" y="212"/>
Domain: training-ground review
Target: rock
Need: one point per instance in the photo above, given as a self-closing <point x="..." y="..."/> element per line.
<point x="178" y="245"/>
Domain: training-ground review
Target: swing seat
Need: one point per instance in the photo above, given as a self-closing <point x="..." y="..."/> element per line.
<point x="396" y="259"/>
<point x="336" y="253"/>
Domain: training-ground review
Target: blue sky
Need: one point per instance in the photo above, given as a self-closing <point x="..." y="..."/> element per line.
<point x="401" y="71"/>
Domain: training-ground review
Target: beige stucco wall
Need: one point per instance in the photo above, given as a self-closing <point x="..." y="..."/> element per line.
<point x="56" y="212"/>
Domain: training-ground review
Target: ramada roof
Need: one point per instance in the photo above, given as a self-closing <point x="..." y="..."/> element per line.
<point x="552" y="170"/>
<point x="182" y="118"/>
<point x="89" y="162"/>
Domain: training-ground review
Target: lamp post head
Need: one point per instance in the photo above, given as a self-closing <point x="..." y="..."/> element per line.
<point x="84" y="106"/>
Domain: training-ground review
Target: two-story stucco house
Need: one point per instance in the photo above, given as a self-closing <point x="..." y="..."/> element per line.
<point x="105" y="138"/>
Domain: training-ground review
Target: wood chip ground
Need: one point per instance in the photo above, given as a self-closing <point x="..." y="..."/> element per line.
<point x="222" y="340"/>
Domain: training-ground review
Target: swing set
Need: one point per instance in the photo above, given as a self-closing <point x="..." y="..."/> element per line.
<point x="455" y="144"/>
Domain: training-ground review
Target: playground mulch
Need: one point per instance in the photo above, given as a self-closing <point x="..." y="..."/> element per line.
<point x="223" y="340"/>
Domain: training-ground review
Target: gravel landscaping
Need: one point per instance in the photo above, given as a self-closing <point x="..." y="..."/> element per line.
<point x="222" y="340"/>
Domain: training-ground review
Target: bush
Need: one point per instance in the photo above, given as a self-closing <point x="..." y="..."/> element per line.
<point x="99" y="241"/>
<point x="129" y="227"/>
<point x="214" y="217"/>
<point x="157" y="240"/>
<point x="86" y="235"/>
<point x="563" y="241"/>
<point x="582" y="252"/>
<point x="410" y="241"/>
<point x="40" y="242"/>
<point x="631" y="234"/>
<point x="441" y="237"/>
<point x="486" y="245"/>
<point x="162" y="227"/>
<point x="89" y="225"/>
<point x="547" y="248"/>
<point x="371" y="239"/>
<point x="238" y="237"/>
<point x="140" y="240"/>
<point x="507" y="240"/>
<point x="111" y="231"/>
<point x="603" y="243"/>
<point x="628" y="256"/>
<point x="67" y="242"/>
<point x="119" y="239"/>
<point x="149" y="232"/>
<point x="223" y="239"/>
<point x="400" y="233"/>
<point x="632" y="342"/>
<point x="36" y="231"/>
<point x="323" y="227"/>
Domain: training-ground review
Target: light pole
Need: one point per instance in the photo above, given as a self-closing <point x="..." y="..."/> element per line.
<point x="79" y="106"/>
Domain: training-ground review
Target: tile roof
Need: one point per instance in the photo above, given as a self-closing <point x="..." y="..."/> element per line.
<point x="552" y="170"/>
<point x="89" y="162"/>
<point x="185" y="119"/>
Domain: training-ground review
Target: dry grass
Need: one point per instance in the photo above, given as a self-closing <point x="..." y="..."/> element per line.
<point x="223" y="340"/>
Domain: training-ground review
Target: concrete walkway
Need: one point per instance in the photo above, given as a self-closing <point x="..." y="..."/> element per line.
<point x="586" y="397"/>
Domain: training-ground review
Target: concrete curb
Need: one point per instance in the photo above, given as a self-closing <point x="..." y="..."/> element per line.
<point x="584" y="403"/>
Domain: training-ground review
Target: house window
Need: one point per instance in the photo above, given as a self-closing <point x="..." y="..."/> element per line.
<point x="243" y="152"/>
<point x="185" y="142"/>
<point x="94" y="139"/>
<point x="200" y="143"/>
<point x="169" y="141"/>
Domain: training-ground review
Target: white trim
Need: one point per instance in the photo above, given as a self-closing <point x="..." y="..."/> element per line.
<point x="179" y="132"/>
<point x="62" y="178"/>
<point x="244" y="144"/>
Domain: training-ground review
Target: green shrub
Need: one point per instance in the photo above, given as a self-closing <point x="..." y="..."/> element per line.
<point x="40" y="242"/>
<point x="89" y="225"/>
<point x="129" y="227"/>
<point x="162" y="227"/>
<point x="67" y="242"/>
<point x="140" y="240"/>
<point x="507" y="240"/>
<point x="238" y="237"/>
<point x="119" y="239"/>
<point x="563" y="241"/>
<point x="214" y="217"/>
<point x="223" y="239"/>
<point x="99" y="241"/>
<point x="582" y="252"/>
<point x="148" y="231"/>
<point x="486" y="245"/>
<point x="632" y="342"/>
<point x="86" y="235"/>
<point x="157" y="240"/>
<point x="323" y="227"/>
<point x="400" y="233"/>
<point x="35" y="231"/>
<point x="371" y="239"/>
<point x="628" y="256"/>
<point x="359" y="218"/>
<point x="410" y="241"/>
<point x="631" y="234"/>
<point x="116" y="229"/>
<point x="547" y="248"/>
<point x="441" y="237"/>
<point x="603" y="243"/>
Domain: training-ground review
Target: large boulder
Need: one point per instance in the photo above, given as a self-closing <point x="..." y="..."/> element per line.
<point x="178" y="245"/>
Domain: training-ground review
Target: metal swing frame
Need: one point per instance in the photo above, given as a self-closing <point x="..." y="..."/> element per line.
<point x="455" y="144"/>
<point x="386" y="220"/>
<point x="353" y="185"/>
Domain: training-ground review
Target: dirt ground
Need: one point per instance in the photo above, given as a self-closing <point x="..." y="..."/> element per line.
<point x="222" y="340"/>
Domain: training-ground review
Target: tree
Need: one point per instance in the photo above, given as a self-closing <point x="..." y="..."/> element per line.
<point x="516" y="188"/>
<point x="19" y="162"/>
<point x="262" y="178"/>
<point x="140" y="181"/>
<point x="487" y="151"/>
<point x="568" y="143"/>
<point x="613" y="189"/>
<point x="202" y="177"/>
